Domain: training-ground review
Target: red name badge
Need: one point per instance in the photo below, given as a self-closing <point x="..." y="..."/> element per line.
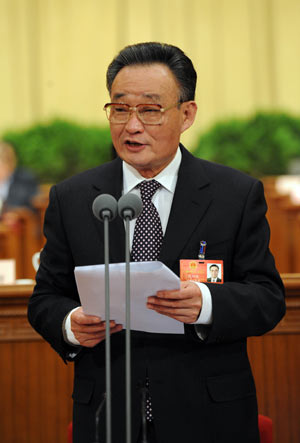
<point x="204" y="271"/>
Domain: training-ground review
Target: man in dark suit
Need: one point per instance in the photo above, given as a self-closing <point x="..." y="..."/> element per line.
<point x="214" y="272"/>
<point x="200" y="383"/>
<point x="17" y="185"/>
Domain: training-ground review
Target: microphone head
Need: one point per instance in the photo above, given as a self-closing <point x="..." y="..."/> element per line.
<point x="130" y="205"/>
<point x="105" y="205"/>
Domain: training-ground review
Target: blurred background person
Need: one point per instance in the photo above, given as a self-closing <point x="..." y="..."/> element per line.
<point x="17" y="185"/>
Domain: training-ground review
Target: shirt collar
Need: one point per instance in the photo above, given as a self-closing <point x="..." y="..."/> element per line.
<point x="167" y="177"/>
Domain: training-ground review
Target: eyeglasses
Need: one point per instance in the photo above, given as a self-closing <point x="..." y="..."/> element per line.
<point x="149" y="114"/>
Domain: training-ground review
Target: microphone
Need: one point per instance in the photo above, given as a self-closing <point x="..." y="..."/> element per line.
<point x="105" y="206"/>
<point x="130" y="206"/>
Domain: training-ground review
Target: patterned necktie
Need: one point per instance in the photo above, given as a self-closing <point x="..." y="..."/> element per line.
<point x="147" y="241"/>
<point x="148" y="235"/>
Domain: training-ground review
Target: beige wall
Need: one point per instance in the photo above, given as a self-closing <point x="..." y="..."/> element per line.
<point x="54" y="54"/>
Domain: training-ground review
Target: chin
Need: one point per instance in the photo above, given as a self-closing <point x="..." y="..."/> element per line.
<point x="138" y="158"/>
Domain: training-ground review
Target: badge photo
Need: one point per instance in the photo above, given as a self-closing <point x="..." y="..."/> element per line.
<point x="204" y="271"/>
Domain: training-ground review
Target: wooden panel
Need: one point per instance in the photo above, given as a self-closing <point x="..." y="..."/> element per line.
<point x="290" y="324"/>
<point x="33" y="406"/>
<point x="280" y="240"/>
<point x="40" y="203"/>
<point x="292" y="226"/>
<point x="297" y="243"/>
<point x="11" y="245"/>
<point x="20" y="238"/>
<point x="276" y="372"/>
<point x="36" y="385"/>
<point x="275" y="361"/>
<point x="30" y="236"/>
<point x="283" y="217"/>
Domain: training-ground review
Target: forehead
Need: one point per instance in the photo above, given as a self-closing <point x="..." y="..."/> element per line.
<point x="155" y="81"/>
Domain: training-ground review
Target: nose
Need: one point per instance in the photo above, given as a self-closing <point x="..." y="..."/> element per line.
<point x="134" y="124"/>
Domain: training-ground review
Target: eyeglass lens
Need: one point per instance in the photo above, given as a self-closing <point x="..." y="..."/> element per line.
<point x="149" y="113"/>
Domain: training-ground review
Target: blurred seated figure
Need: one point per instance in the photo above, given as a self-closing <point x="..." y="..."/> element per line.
<point x="17" y="185"/>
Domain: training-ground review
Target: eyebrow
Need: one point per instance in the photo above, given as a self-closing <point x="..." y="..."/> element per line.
<point x="151" y="96"/>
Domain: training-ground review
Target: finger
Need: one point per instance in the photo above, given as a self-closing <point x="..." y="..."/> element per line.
<point x="185" y="293"/>
<point x="172" y="310"/>
<point x="80" y="316"/>
<point x="183" y="318"/>
<point x="90" y="328"/>
<point x="91" y="339"/>
<point x="185" y="284"/>
<point x="172" y="303"/>
<point x="187" y="290"/>
<point x="184" y="315"/>
<point x="117" y="328"/>
<point x="91" y="342"/>
<point x="93" y="329"/>
<point x="84" y="319"/>
<point x="172" y="294"/>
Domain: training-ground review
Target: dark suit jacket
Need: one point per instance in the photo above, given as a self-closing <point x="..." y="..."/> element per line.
<point x="22" y="189"/>
<point x="201" y="390"/>
<point x="218" y="280"/>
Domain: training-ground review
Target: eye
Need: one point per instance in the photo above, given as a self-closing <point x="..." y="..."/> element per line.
<point x="149" y="109"/>
<point x="120" y="109"/>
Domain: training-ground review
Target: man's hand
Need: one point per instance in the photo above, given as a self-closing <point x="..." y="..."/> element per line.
<point x="184" y="305"/>
<point x="89" y="330"/>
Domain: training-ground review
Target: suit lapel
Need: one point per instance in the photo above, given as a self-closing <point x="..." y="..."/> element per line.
<point x="191" y="200"/>
<point x="110" y="181"/>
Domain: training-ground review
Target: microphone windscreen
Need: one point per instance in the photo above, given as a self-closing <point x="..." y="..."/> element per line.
<point x="130" y="205"/>
<point x="105" y="205"/>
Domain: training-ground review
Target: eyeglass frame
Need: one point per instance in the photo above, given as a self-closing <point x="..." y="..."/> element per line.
<point x="132" y="109"/>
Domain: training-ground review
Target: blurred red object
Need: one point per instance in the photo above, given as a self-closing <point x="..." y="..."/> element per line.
<point x="265" y="426"/>
<point x="264" y="423"/>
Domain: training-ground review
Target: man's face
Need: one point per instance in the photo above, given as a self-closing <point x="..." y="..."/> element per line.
<point x="214" y="271"/>
<point x="149" y="149"/>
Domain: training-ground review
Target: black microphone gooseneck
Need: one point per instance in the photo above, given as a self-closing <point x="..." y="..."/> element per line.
<point x="129" y="206"/>
<point x="105" y="209"/>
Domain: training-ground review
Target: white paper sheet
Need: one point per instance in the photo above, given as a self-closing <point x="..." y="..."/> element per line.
<point x="146" y="278"/>
<point x="7" y="271"/>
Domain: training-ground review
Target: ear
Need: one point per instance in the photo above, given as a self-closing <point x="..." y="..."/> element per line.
<point x="189" y="111"/>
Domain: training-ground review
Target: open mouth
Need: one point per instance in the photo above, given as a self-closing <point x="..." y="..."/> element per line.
<point x="132" y="144"/>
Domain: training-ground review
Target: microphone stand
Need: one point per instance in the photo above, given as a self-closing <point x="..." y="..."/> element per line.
<point x="106" y="217"/>
<point x="129" y="207"/>
<point x="127" y="336"/>
<point x="105" y="209"/>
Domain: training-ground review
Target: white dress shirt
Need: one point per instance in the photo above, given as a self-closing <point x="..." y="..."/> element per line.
<point x="162" y="200"/>
<point x="4" y="190"/>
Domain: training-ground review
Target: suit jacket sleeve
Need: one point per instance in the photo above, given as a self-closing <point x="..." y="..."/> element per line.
<point x="251" y="301"/>
<point x="55" y="293"/>
<point x="73" y="238"/>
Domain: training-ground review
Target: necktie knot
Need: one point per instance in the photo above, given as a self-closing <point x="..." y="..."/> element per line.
<point x="148" y="189"/>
